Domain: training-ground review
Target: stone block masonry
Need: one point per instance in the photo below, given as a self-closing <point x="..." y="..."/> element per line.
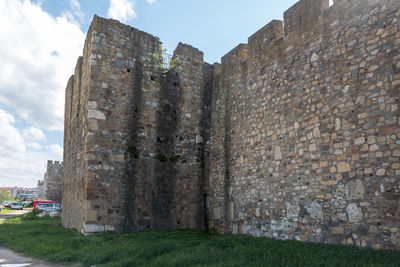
<point x="133" y="134"/>
<point x="295" y="135"/>
<point x="305" y="127"/>
<point x="52" y="181"/>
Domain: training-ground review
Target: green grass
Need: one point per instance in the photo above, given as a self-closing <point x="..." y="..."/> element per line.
<point x="6" y="210"/>
<point x="45" y="238"/>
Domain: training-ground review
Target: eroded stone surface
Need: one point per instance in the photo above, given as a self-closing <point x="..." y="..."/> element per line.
<point x="355" y="190"/>
<point x="292" y="211"/>
<point x="315" y="210"/>
<point x="355" y="213"/>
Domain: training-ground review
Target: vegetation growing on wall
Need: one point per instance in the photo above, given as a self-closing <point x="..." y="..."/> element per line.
<point x="163" y="61"/>
<point x="132" y="153"/>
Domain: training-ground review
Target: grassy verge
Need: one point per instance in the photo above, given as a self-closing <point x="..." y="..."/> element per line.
<point x="6" y="210"/>
<point x="45" y="238"/>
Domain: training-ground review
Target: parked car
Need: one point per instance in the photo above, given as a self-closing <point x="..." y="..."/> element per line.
<point x="48" y="207"/>
<point x="41" y="201"/>
<point x="7" y="204"/>
<point x="16" y="206"/>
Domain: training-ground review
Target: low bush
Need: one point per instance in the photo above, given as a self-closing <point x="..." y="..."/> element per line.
<point x="29" y="205"/>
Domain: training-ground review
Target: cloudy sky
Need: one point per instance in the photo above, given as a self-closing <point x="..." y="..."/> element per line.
<point x="41" y="40"/>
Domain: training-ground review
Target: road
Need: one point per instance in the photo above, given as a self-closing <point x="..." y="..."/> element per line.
<point x="10" y="258"/>
<point x="14" y="213"/>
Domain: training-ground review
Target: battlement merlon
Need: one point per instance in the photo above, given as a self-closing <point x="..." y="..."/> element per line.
<point x="78" y="73"/>
<point x="185" y="50"/>
<point x="237" y="55"/>
<point x="217" y="69"/>
<point x="99" y="21"/>
<point x="69" y="91"/>
<point x="269" y="33"/>
<point x="264" y="40"/>
<point x="68" y="96"/>
<point x="67" y="112"/>
<point x="55" y="162"/>
<point x="103" y="25"/>
<point x="303" y="16"/>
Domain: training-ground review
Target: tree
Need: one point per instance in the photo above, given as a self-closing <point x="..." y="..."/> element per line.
<point x="5" y="195"/>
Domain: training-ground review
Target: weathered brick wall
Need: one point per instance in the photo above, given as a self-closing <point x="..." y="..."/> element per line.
<point x="305" y="134"/>
<point x="133" y="135"/>
<point x="52" y="181"/>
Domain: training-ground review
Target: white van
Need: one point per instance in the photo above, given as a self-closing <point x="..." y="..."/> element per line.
<point x="48" y="206"/>
<point x="16" y="206"/>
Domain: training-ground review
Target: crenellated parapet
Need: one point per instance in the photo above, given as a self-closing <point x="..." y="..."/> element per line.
<point x="303" y="17"/>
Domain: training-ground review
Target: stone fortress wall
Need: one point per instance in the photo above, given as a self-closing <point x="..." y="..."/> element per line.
<point x="295" y="135"/>
<point x="305" y="138"/>
<point x="40" y="189"/>
<point x="52" y="181"/>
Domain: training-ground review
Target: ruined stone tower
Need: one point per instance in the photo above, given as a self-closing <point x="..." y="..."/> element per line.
<point x="133" y="134"/>
<point x="295" y="135"/>
<point x="40" y="189"/>
<point x="52" y="181"/>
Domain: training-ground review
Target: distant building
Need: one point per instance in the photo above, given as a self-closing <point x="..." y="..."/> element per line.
<point x="14" y="192"/>
<point x="23" y="193"/>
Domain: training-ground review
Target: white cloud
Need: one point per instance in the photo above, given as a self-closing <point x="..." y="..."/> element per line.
<point x="34" y="146"/>
<point x="19" y="165"/>
<point x="39" y="2"/>
<point x="122" y="10"/>
<point x="75" y="12"/>
<point x="150" y="1"/>
<point x="11" y="139"/>
<point x="23" y="169"/>
<point x="33" y="134"/>
<point x="38" y="53"/>
<point x="56" y="150"/>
